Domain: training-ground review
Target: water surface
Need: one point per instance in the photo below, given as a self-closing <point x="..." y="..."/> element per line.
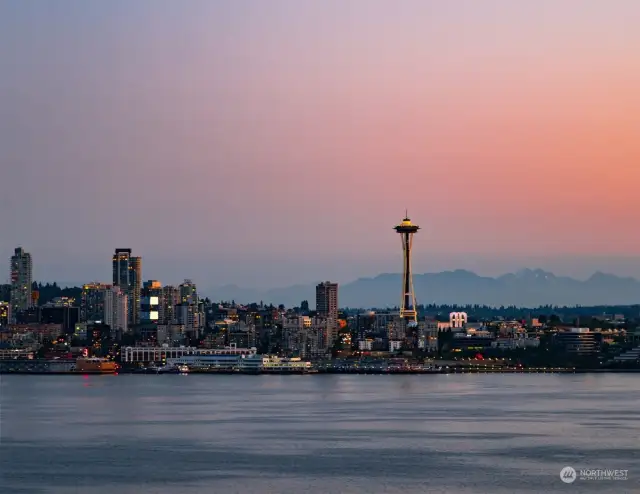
<point x="453" y="434"/>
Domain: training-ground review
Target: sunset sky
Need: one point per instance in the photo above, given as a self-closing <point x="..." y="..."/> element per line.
<point x="266" y="143"/>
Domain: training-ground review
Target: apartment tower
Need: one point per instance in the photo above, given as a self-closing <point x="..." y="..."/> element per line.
<point x="327" y="300"/>
<point x="327" y="307"/>
<point x="127" y="274"/>
<point x="21" y="281"/>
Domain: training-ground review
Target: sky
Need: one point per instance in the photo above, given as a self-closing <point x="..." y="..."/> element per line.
<point x="272" y="143"/>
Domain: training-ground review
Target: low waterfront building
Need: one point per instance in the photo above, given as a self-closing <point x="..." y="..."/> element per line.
<point x="217" y="361"/>
<point x="471" y="341"/>
<point x="277" y="364"/>
<point x="251" y="363"/>
<point x="630" y="356"/>
<point x="580" y="341"/>
<point x="514" y="343"/>
<point x="159" y="354"/>
<point x="17" y="353"/>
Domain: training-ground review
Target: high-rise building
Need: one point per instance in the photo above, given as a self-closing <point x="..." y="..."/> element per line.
<point x="121" y="267"/>
<point x="188" y="293"/>
<point x="189" y="316"/>
<point x="93" y="302"/>
<point x="189" y="312"/>
<point x="120" y="310"/>
<point x="170" y="298"/>
<point x="106" y="304"/>
<point x="136" y="285"/>
<point x="127" y="274"/>
<point x="327" y="307"/>
<point x="327" y="300"/>
<point x="21" y="281"/>
<point x="151" y="302"/>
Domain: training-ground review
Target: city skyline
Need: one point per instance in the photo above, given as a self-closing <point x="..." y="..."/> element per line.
<point x="479" y="266"/>
<point x="319" y="246"/>
<point x="284" y="162"/>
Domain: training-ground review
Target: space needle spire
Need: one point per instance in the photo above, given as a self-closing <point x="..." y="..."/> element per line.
<point x="408" y="309"/>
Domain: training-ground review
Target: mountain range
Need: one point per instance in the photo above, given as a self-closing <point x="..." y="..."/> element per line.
<point x="526" y="288"/>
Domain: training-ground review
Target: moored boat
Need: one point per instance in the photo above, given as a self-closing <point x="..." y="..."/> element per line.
<point x="94" y="365"/>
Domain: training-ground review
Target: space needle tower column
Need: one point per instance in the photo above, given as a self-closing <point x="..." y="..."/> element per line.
<point x="408" y="310"/>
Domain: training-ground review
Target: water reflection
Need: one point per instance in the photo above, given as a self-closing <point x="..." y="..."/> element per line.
<point x="317" y="434"/>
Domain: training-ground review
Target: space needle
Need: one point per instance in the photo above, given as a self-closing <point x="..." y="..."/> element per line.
<point x="408" y="309"/>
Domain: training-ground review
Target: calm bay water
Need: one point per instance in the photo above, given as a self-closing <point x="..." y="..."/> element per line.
<point x="174" y="434"/>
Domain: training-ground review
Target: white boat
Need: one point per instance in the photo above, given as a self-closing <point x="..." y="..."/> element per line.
<point x="274" y="365"/>
<point x="231" y="360"/>
<point x="165" y="369"/>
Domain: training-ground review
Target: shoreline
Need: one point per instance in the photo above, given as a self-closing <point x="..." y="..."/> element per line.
<point x="332" y="372"/>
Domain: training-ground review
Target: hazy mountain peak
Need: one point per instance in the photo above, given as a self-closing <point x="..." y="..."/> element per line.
<point x="383" y="276"/>
<point x="601" y="277"/>
<point x="463" y="273"/>
<point x="527" y="287"/>
<point x="538" y="273"/>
